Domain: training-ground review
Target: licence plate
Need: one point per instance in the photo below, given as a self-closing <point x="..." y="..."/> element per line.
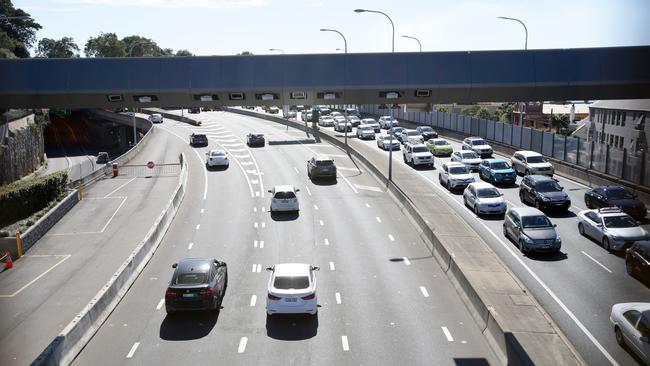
<point x="189" y="295"/>
<point x="291" y="299"/>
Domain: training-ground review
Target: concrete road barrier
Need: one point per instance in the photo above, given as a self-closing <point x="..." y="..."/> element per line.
<point x="517" y="328"/>
<point x="166" y="114"/>
<point x="65" y="347"/>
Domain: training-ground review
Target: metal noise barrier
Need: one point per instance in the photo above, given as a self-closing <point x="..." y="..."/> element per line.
<point x="65" y="347"/>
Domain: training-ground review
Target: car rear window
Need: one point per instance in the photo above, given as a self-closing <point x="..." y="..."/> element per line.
<point x="284" y="195"/>
<point x="217" y="153"/>
<point x="412" y="133"/>
<point x="488" y="193"/>
<point x="291" y="282"/>
<point x="191" y="278"/>
<point x="531" y="222"/>
<point x="324" y="163"/>
<point x="548" y="186"/>
<point x="426" y="129"/>
<point x="441" y="142"/>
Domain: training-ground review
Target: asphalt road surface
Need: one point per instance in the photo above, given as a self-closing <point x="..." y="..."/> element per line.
<point x="383" y="298"/>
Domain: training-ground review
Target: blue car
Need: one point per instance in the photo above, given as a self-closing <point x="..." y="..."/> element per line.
<point x="496" y="171"/>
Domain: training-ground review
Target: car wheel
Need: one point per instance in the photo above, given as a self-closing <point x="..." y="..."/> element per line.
<point x="505" y="232"/>
<point x="588" y="203"/>
<point x="476" y="210"/>
<point x="581" y="229"/>
<point x="522" y="247"/>
<point x="619" y="336"/>
<point x="629" y="267"/>
<point x="606" y="245"/>
<point x="538" y="204"/>
<point x="404" y="157"/>
<point x="527" y="172"/>
<point x="522" y="197"/>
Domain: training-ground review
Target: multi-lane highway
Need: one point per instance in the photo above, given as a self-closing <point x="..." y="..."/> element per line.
<point x="577" y="287"/>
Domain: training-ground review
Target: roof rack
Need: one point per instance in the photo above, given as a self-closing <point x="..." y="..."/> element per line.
<point x="609" y="210"/>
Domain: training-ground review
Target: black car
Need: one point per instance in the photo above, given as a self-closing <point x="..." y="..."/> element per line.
<point x="637" y="260"/>
<point x="198" y="139"/>
<point x="544" y="193"/>
<point x="197" y="284"/>
<point x="255" y="139"/>
<point x="195" y="110"/>
<point x="427" y="132"/>
<point x="621" y="197"/>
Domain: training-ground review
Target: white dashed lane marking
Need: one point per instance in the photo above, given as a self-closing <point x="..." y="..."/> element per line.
<point x="316" y="207"/>
<point x="132" y="350"/>
<point x="332" y="266"/>
<point x="327" y="242"/>
<point x="378" y="219"/>
<point x="447" y="334"/>
<point x="160" y="304"/>
<point x="190" y="246"/>
<point x="296" y="169"/>
<point x="257" y="268"/>
<point x="344" y="343"/>
<point x="242" y="345"/>
<point x="597" y="262"/>
<point x="253" y="300"/>
<point x="198" y="226"/>
<point x="424" y="291"/>
<point x="321" y="222"/>
<point x="406" y="261"/>
<point x="308" y="191"/>
<point x="367" y="205"/>
<point x="391" y="238"/>
<point x="338" y="298"/>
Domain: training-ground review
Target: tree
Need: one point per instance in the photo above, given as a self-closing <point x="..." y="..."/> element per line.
<point x="245" y="53"/>
<point x="442" y="109"/>
<point x="62" y="48"/>
<point x="137" y="46"/>
<point x="559" y="122"/>
<point x="16" y="35"/>
<point x="184" y="53"/>
<point x="105" y="45"/>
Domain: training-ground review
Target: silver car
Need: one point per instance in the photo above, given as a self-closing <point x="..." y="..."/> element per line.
<point x="386" y="141"/>
<point x="531" y="230"/>
<point x="484" y="198"/>
<point x="365" y="132"/>
<point x="469" y="158"/>
<point x="370" y="122"/>
<point x="611" y="227"/>
<point x="631" y="322"/>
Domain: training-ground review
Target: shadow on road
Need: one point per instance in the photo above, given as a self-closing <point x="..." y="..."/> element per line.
<point x="217" y="168"/>
<point x="471" y="362"/>
<point x="188" y="326"/>
<point x="547" y="257"/>
<point x="324" y="181"/>
<point x="291" y="327"/>
<point x="284" y="216"/>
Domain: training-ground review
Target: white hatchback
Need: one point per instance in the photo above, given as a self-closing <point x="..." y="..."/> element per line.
<point x="292" y="289"/>
<point x="284" y="198"/>
<point x="484" y="198"/>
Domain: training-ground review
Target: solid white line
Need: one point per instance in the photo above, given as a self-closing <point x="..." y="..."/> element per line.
<point x="205" y="172"/>
<point x="160" y="304"/>
<point x="246" y="163"/>
<point x="378" y="219"/>
<point x="321" y="222"/>
<point x="344" y="342"/>
<point x="348" y="182"/>
<point x="424" y="291"/>
<point x="253" y="300"/>
<point x="367" y="205"/>
<point x="190" y="246"/>
<point x="597" y="262"/>
<point x="327" y="242"/>
<point x="578" y="208"/>
<point x="392" y="238"/>
<point x="308" y="191"/>
<point x="113" y="215"/>
<point x="406" y="261"/>
<point x="538" y="280"/>
<point x="332" y="266"/>
<point x="118" y="188"/>
<point x="132" y="351"/>
<point x="242" y="345"/>
<point x="447" y="334"/>
<point x="198" y="226"/>
<point x="316" y="207"/>
<point x="39" y="276"/>
<point x="296" y="169"/>
<point x="338" y="298"/>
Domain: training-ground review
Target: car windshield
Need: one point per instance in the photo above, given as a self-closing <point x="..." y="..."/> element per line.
<point x="441" y="143"/>
<point x="412" y="133"/>
<point x="619" y="221"/>
<point x="419" y="149"/>
<point x="291" y="282"/>
<point x="367" y="128"/>
<point x="217" y="153"/>
<point x="531" y="222"/>
<point x="426" y="129"/>
<point x="619" y="194"/>
<point x="324" y="162"/>
<point x="388" y="138"/>
<point x="488" y="193"/>
<point x="469" y="155"/>
<point x="458" y="170"/>
<point x="548" y="186"/>
<point x="478" y="142"/>
<point x="536" y="159"/>
<point x="192" y="278"/>
<point x="500" y="165"/>
<point x="284" y="195"/>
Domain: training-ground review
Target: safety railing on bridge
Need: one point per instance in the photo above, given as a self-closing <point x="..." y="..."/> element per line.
<point x="144" y="171"/>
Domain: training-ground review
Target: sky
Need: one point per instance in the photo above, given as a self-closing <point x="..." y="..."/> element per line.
<point x="227" y="27"/>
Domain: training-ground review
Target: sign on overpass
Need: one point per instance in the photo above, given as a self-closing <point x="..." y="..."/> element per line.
<point x="373" y="78"/>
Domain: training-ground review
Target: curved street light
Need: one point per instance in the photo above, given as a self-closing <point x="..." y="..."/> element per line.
<point x="345" y="42"/>
<point x="384" y="14"/>
<point x="521" y="104"/>
<point x="277" y="50"/>
<point x="417" y="40"/>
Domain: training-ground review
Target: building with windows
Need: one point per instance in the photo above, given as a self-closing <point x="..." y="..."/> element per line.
<point x="621" y="123"/>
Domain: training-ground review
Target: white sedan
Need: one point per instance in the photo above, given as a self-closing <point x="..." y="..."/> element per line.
<point x="484" y="198"/>
<point x="631" y="322"/>
<point x="216" y="158"/>
<point x="292" y="289"/>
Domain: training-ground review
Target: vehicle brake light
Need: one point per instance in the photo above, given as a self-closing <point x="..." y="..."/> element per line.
<point x="207" y="292"/>
<point x="273" y="297"/>
<point x="170" y="293"/>
<point x="310" y="296"/>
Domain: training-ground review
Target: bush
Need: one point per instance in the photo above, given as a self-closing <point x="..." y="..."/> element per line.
<point x="29" y="223"/>
<point x="21" y="199"/>
<point x="4" y="233"/>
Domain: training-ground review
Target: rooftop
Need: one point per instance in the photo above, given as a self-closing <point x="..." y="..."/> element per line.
<point x="624" y="104"/>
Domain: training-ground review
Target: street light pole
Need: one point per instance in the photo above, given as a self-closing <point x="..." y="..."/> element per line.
<point x="345" y="44"/>
<point x="521" y="104"/>
<point x="135" y="130"/>
<point x="277" y="49"/>
<point x="390" y="152"/>
<point x="417" y="40"/>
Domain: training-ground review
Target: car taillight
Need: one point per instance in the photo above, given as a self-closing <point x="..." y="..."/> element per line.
<point x="273" y="297"/>
<point x="207" y="292"/>
<point x="170" y="293"/>
<point x="310" y="296"/>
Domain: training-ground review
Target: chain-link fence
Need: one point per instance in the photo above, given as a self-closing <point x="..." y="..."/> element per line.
<point x="633" y="166"/>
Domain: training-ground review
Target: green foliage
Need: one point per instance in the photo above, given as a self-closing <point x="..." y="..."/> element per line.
<point x="245" y="53"/>
<point x="442" y="109"/>
<point x="61" y="48"/>
<point x="105" y="45"/>
<point x="16" y="35"/>
<point x="560" y="122"/>
<point x="184" y="53"/>
<point x="137" y="46"/>
<point x="21" y="199"/>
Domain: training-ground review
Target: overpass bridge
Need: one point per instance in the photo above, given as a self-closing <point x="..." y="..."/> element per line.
<point x="369" y="78"/>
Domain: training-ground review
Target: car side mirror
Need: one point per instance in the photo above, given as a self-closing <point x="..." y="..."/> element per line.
<point x="561" y="187"/>
<point x="269" y="269"/>
<point x="554" y="225"/>
<point x="315" y="268"/>
<point x="297" y="189"/>
<point x="174" y="265"/>
<point x="270" y="191"/>
<point x="501" y="194"/>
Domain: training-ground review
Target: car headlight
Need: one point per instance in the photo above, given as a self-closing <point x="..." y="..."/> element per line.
<point x="527" y="239"/>
<point x="545" y="199"/>
<point x="614" y="237"/>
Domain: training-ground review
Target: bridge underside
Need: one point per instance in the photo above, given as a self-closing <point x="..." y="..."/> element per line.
<point x="428" y="77"/>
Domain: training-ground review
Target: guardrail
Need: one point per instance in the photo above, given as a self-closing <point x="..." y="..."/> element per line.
<point x="65" y="347"/>
<point x="518" y="335"/>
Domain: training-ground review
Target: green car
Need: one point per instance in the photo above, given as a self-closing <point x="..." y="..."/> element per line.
<point x="440" y="147"/>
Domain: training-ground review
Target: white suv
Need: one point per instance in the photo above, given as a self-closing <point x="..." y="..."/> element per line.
<point x="284" y="199"/>
<point x="386" y="122"/>
<point x="478" y="145"/>
<point x="455" y="175"/>
<point x="417" y="154"/>
<point x="531" y="162"/>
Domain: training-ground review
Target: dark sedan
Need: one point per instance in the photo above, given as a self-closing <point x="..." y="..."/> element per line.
<point x="544" y="193"/>
<point x="637" y="260"/>
<point x="255" y="139"/>
<point x="427" y="132"/>
<point x="197" y="284"/>
<point x="621" y="197"/>
<point x="198" y="139"/>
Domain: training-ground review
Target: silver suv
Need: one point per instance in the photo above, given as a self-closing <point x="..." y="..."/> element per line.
<point x="417" y="154"/>
<point x="611" y="227"/>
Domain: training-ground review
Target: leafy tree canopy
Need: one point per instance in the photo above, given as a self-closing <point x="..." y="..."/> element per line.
<point x="16" y="35"/>
<point x="53" y="48"/>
